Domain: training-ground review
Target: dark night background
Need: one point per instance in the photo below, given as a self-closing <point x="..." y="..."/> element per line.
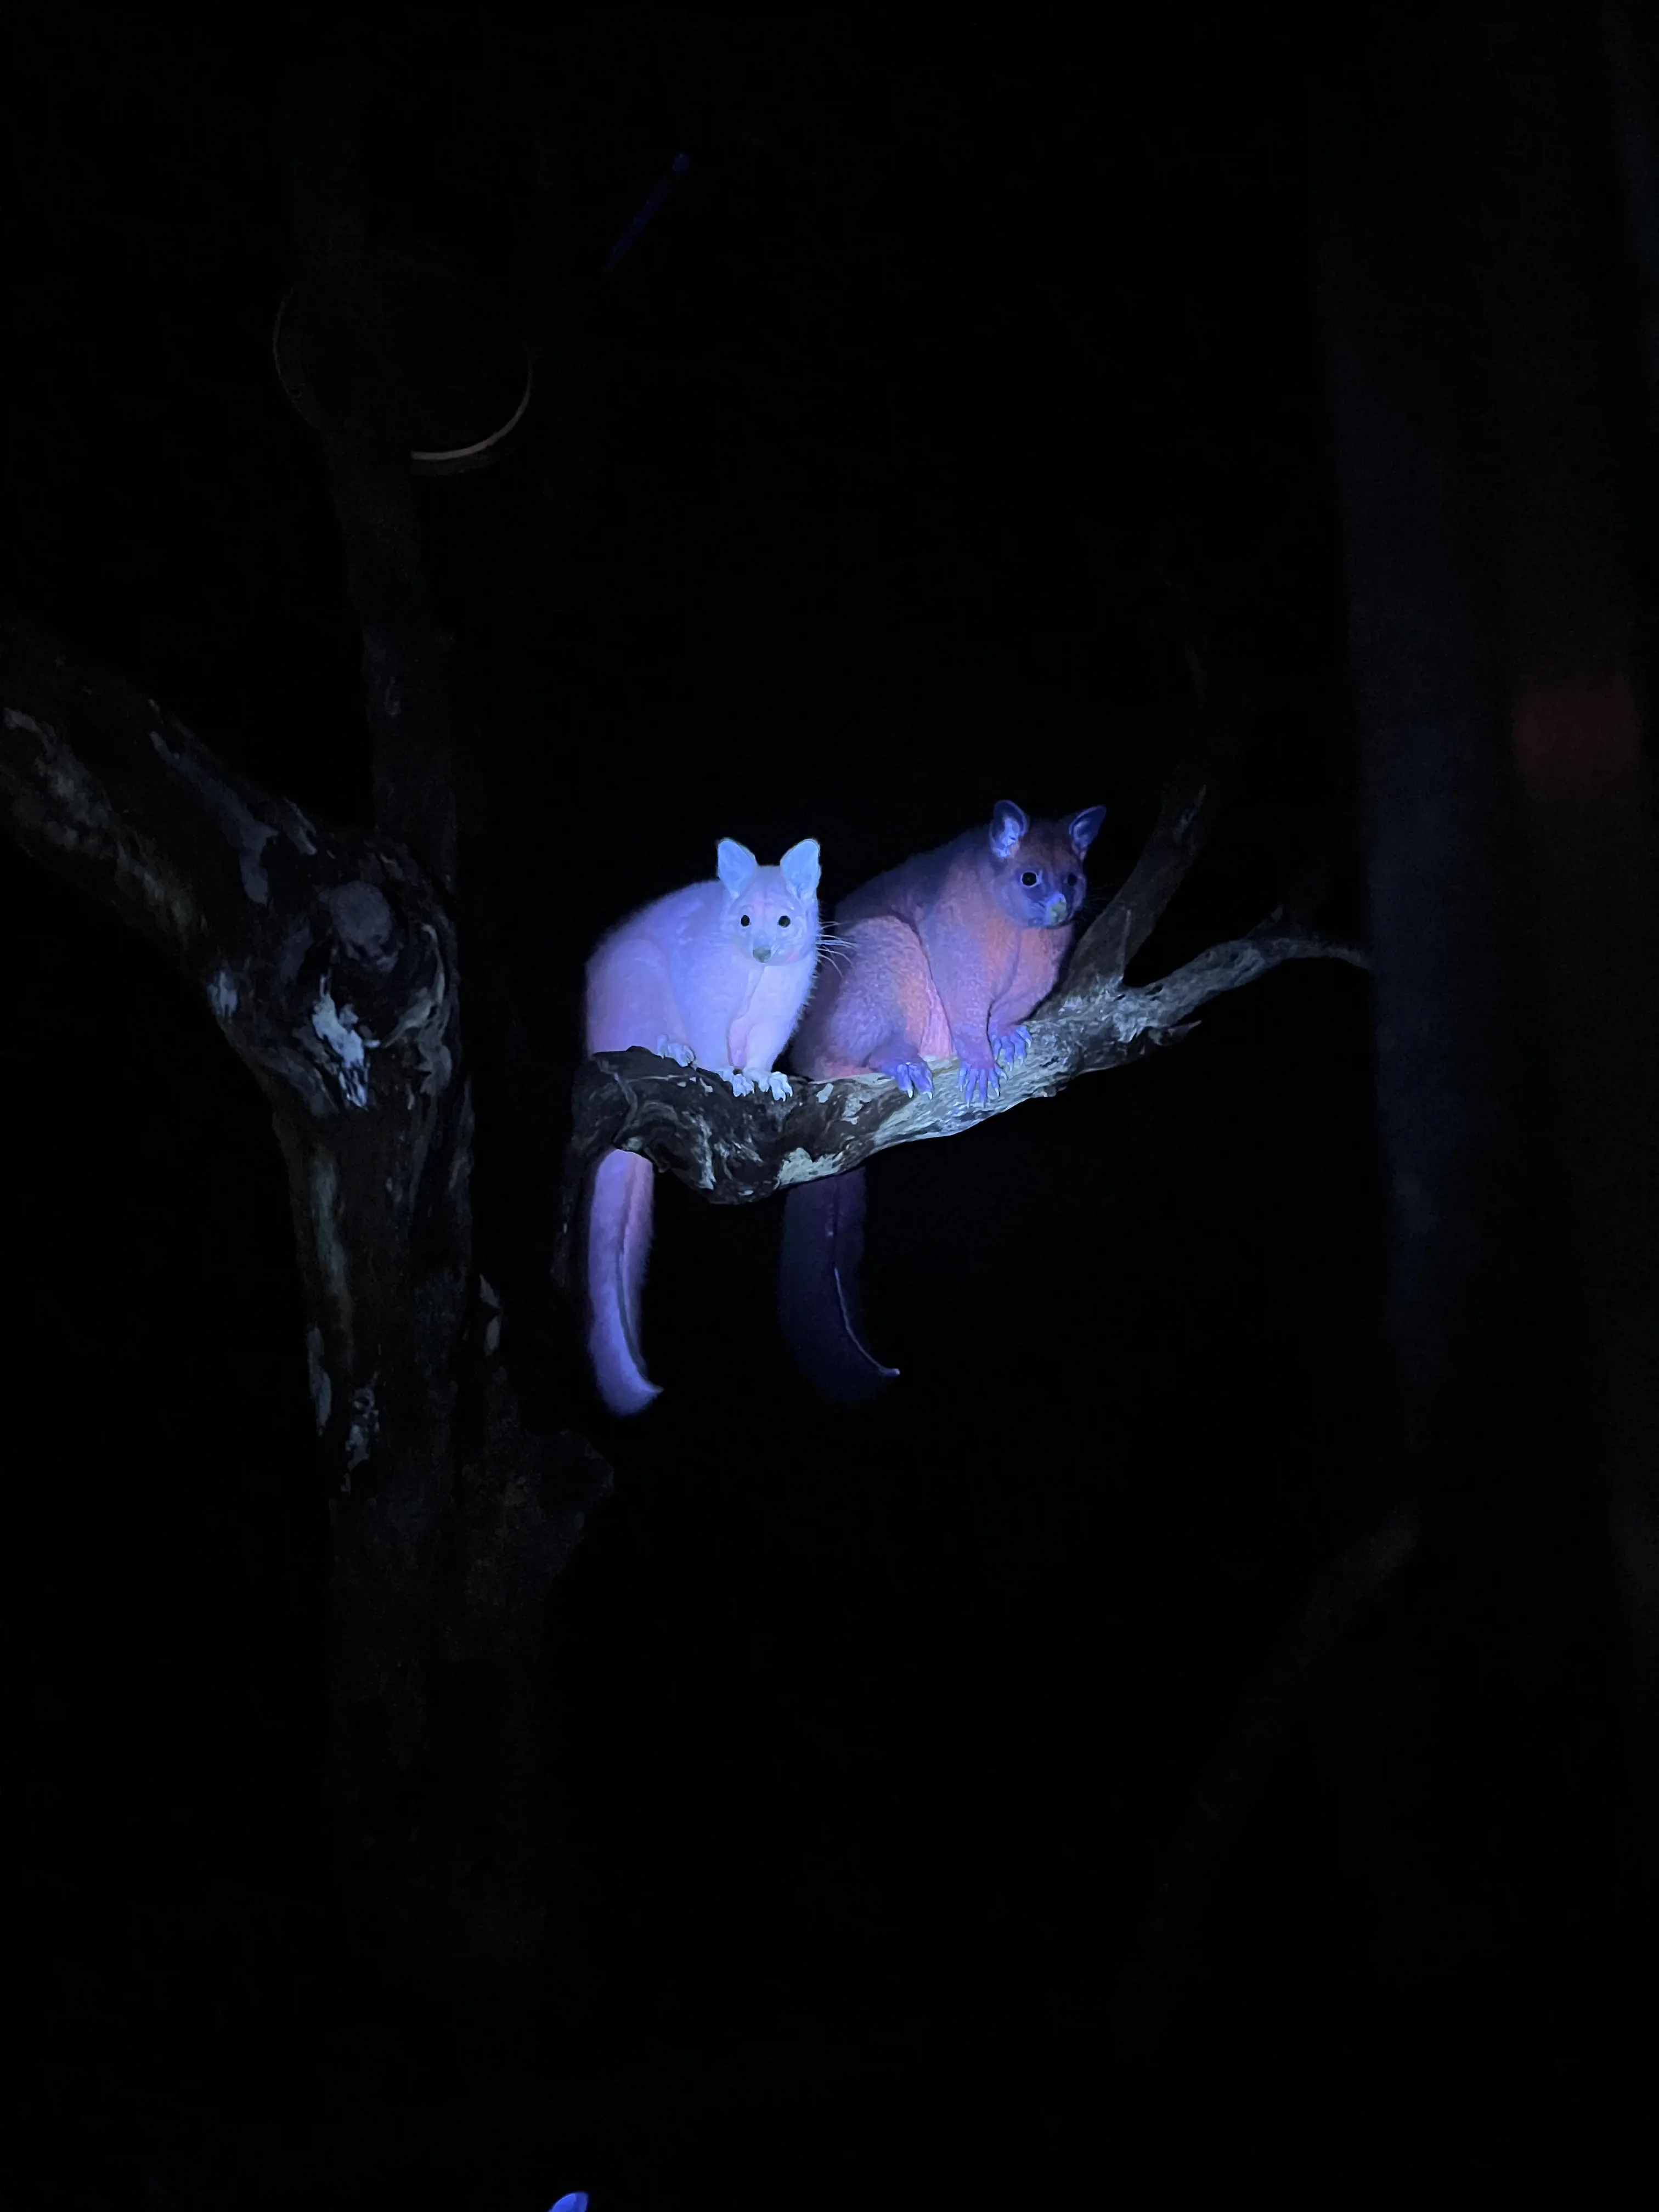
<point x="961" y="404"/>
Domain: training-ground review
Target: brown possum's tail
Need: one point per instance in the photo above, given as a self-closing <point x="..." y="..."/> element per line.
<point x="618" y="1241"/>
<point x="818" y="1300"/>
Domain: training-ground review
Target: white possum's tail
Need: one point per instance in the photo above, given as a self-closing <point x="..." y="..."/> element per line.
<point x="618" y="1240"/>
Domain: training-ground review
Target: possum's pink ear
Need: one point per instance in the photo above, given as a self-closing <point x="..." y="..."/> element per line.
<point x="800" y="869"/>
<point x="736" y="866"/>
<point x="1008" y="826"/>
<point x="1083" y="829"/>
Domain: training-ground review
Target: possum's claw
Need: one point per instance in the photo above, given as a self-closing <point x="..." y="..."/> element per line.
<point x="912" y="1076"/>
<point x="980" y="1084"/>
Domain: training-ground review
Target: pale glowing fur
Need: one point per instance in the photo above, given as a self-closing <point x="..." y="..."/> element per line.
<point x="715" y="976"/>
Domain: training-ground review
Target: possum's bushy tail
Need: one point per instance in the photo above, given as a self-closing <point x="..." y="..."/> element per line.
<point x="618" y="1241"/>
<point x="819" y="1288"/>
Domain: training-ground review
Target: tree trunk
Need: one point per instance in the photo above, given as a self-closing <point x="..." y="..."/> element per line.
<point x="1494" y="1662"/>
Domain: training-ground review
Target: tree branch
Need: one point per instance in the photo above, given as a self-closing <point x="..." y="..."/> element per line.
<point x="687" y="1122"/>
<point x="365" y="456"/>
<point x="326" y="958"/>
<point x="1134" y="911"/>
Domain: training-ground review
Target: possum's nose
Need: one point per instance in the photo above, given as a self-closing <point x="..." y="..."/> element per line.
<point x="1056" y="910"/>
<point x="763" y="952"/>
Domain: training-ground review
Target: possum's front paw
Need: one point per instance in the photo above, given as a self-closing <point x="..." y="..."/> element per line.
<point x="777" y="1083"/>
<point x="681" y="1054"/>
<point x="980" y="1084"/>
<point x="1011" y="1045"/>
<point x="910" y="1075"/>
<point x="741" y="1084"/>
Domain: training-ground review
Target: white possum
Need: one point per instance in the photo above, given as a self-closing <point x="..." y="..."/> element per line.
<point x="716" y="975"/>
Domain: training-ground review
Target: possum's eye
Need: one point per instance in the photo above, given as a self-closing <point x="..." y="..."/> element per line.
<point x="1071" y="878"/>
<point x="744" y="919"/>
<point x="783" y="921"/>
<point x="1029" y="877"/>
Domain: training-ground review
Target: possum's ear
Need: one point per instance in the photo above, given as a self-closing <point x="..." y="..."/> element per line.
<point x="1083" y="829"/>
<point x="736" y="866"/>
<point x="1008" y="826"/>
<point x="800" y="869"/>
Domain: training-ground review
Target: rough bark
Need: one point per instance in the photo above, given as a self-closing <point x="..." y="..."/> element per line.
<point x="327" y="959"/>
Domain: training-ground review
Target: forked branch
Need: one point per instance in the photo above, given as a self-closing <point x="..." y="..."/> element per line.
<point x="687" y="1122"/>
